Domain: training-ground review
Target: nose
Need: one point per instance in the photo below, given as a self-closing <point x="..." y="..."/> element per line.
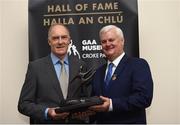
<point x="107" y="43"/>
<point x="59" y="39"/>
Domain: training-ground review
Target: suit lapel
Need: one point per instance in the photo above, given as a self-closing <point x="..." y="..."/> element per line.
<point x="121" y="65"/>
<point x="102" y="77"/>
<point x="118" y="70"/>
<point x="52" y="74"/>
<point x="74" y="65"/>
<point x="74" y="69"/>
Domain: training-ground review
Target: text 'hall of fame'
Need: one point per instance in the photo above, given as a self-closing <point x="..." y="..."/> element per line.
<point x="108" y="12"/>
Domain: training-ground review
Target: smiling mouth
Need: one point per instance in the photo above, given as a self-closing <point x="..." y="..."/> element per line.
<point x="110" y="48"/>
<point x="60" y="47"/>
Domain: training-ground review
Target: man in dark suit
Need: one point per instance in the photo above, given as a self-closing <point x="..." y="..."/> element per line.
<point x="43" y="89"/>
<point x="124" y="83"/>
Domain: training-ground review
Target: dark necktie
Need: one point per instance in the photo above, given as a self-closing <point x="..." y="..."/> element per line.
<point x="109" y="73"/>
<point x="63" y="80"/>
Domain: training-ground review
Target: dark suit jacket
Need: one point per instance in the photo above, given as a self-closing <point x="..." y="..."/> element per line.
<point x="131" y="91"/>
<point x="41" y="88"/>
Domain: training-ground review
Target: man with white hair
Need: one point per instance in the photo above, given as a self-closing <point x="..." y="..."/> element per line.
<point x="124" y="83"/>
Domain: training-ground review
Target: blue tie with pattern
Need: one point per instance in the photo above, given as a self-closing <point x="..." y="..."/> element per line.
<point x="109" y="73"/>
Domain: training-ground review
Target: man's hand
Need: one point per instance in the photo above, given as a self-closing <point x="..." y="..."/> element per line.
<point x="101" y="108"/>
<point x="52" y="114"/>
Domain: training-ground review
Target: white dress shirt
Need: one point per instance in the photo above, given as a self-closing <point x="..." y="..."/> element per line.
<point x="115" y="64"/>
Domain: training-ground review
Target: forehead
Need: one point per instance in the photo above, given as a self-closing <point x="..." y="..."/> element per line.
<point x="108" y="34"/>
<point x="58" y="29"/>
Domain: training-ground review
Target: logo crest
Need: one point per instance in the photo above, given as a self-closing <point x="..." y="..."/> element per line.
<point x="73" y="50"/>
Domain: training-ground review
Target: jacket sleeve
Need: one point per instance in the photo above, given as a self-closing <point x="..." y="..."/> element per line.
<point x="141" y="89"/>
<point x="27" y="101"/>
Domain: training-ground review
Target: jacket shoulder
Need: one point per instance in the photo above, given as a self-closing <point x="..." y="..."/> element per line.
<point x="40" y="63"/>
<point x="138" y="63"/>
<point x="136" y="60"/>
<point x="40" y="60"/>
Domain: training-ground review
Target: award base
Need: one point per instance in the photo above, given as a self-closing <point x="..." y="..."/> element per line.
<point x="78" y="105"/>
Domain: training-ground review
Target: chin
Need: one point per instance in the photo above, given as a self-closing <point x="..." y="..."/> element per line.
<point x="109" y="54"/>
<point x="61" y="54"/>
<point x="61" y="51"/>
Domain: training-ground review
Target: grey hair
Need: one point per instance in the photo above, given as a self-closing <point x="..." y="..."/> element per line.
<point x="56" y="24"/>
<point x="109" y="27"/>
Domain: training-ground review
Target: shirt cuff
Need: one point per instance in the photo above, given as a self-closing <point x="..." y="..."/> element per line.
<point x="46" y="113"/>
<point x="111" y="106"/>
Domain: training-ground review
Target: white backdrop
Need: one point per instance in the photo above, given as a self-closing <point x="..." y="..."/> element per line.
<point x="159" y="28"/>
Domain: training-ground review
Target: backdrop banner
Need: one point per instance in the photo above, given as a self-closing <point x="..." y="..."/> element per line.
<point x="84" y="18"/>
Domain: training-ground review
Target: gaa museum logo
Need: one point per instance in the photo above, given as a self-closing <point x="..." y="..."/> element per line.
<point x="90" y="50"/>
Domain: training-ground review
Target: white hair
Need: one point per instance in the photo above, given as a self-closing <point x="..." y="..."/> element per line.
<point x="109" y="27"/>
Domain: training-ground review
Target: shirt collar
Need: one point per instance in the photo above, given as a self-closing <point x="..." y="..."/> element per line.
<point x="55" y="59"/>
<point x="117" y="60"/>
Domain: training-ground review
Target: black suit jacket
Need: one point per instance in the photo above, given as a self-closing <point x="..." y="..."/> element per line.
<point x="131" y="91"/>
<point x="41" y="88"/>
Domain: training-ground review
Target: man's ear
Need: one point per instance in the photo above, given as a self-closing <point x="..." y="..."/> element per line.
<point x="122" y="41"/>
<point x="69" y="42"/>
<point x="49" y="42"/>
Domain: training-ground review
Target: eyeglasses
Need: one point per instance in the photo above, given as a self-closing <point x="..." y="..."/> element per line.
<point x="63" y="37"/>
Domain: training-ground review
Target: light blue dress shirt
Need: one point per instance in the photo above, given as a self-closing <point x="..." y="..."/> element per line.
<point x="57" y="67"/>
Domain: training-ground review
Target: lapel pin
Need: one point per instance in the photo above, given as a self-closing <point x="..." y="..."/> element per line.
<point x="114" y="77"/>
<point x="81" y="67"/>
